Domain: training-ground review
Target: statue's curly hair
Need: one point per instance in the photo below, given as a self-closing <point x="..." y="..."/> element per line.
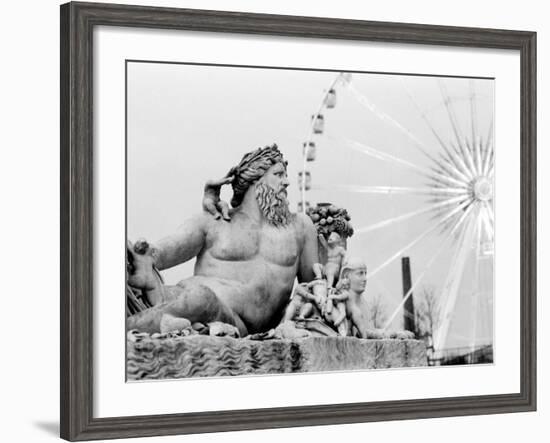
<point x="251" y="168"/>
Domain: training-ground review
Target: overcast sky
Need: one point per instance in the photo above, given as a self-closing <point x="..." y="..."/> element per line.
<point x="187" y="124"/>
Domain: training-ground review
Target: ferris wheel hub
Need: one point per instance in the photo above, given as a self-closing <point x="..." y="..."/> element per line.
<point x="483" y="189"/>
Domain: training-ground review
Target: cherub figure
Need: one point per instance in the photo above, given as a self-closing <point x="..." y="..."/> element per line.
<point x="335" y="256"/>
<point x="338" y="314"/>
<point x="310" y="301"/>
<point x="335" y="315"/>
<point x="302" y="303"/>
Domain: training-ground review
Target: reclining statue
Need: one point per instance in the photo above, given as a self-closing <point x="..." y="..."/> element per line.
<point x="247" y="256"/>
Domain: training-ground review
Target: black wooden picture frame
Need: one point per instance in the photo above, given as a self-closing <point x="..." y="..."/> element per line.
<point x="77" y="23"/>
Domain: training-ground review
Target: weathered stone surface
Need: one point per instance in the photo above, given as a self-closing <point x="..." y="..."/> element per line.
<point x="416" y="353"/>
<point x="172" y="356"/>
<point x="338" y="353"/>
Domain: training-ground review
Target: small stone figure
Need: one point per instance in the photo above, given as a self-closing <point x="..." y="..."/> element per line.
<point x="142" y="273"/>
<point x="309" y="303"/>
<point x="334" y="315"/>
<point x="301" y="305"/>
<point x="350" y="289"/>
<point x="338" y="313"/>
<point x="336" y="254"/>
<point x="320" y="293"/>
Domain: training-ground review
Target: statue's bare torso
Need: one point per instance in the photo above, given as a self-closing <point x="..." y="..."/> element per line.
<point x="244" y="272"/>
<point x="250" y="266"/>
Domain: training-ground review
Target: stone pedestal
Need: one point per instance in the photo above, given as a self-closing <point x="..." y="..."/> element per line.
<point x="205" y="356"/>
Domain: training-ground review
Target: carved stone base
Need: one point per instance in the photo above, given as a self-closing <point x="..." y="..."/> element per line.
<point x="206" y="356"/>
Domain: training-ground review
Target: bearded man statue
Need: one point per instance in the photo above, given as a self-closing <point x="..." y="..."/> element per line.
<point x="247" y="256"/>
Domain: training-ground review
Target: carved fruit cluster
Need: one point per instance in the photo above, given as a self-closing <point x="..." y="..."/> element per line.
<point x="331" y="218"/>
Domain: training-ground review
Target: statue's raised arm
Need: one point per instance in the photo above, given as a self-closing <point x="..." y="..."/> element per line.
<point x="183" y="245"/>
<point x="188" y="240"/>
<point x="211" y="201"/>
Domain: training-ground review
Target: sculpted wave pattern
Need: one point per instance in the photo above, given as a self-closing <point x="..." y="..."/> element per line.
<point x="162" y="357"/>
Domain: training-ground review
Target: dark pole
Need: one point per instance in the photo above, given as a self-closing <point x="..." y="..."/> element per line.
<point x="408" y="308"/>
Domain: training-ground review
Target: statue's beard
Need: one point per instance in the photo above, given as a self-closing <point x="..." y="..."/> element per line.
<point x="273" y="204"/>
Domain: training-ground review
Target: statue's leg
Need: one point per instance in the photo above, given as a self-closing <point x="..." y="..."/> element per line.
<point x="330" y="306"/>
<point x="170" y="323"/>
<point x="343" y="328"/>
<point x="147" y="320"/>
<point x="331" y="272"/>
<point x="191" y="300"/>
<point x="291" y="310"/>
<point x="306" y="311"/>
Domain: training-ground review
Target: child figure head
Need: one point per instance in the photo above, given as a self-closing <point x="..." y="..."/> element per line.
<point x="334" y="238"/>
<point x="353" y="276"/>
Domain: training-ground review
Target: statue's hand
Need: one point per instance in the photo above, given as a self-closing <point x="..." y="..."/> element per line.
<point x="142" y="247"/>
<point x="324" y="311"/>
<point x="211" y="200"/>
<point x="140" y="265"/>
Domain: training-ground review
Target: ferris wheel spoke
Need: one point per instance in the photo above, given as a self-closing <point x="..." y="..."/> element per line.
<point x="488" y="159"/>
<point x="364" y="149"/>
<point x="442" y="181"/>
<point x="448" y="166"/>
<point x="417" y="239"/>
<point x="467" y="160"/>
<point x="490" y="212"/>
<point x="491" y="170"/>
<point x="475" y="293"/>
<point x="456" y="158"/>
<point x="375" y="153"/>
<point x="479" y="158"/>
<point x="473" y="109"/>
<point x="490" y="132"/>
<point x="460" y="219"/>
<point x="408" y="215"/>
<point x="488" y="222"/>
<point x="489" y="150"/>
<point x="426" y="268"/>
<point x="368" y="104"/>
<point x="476" y="158"/>
<point x="453" y="156"/>
<point x="450" y="112"/>
<point x="458" y="224"/>
<point x="425" y="118"/>
<point x="450" y="289"/>
<point x="490" y="163"/>
<point x="391" y="190"/>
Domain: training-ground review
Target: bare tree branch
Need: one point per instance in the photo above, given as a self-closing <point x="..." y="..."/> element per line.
<point x="377" y="311"/>
<point x="427" y="312"/>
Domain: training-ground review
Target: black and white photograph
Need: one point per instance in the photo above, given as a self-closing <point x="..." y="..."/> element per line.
<point x="286" y="220"/>
<point x="236" y="221"/>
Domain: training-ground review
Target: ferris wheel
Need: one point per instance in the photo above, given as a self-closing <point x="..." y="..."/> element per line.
<point x="454" y="188"/>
